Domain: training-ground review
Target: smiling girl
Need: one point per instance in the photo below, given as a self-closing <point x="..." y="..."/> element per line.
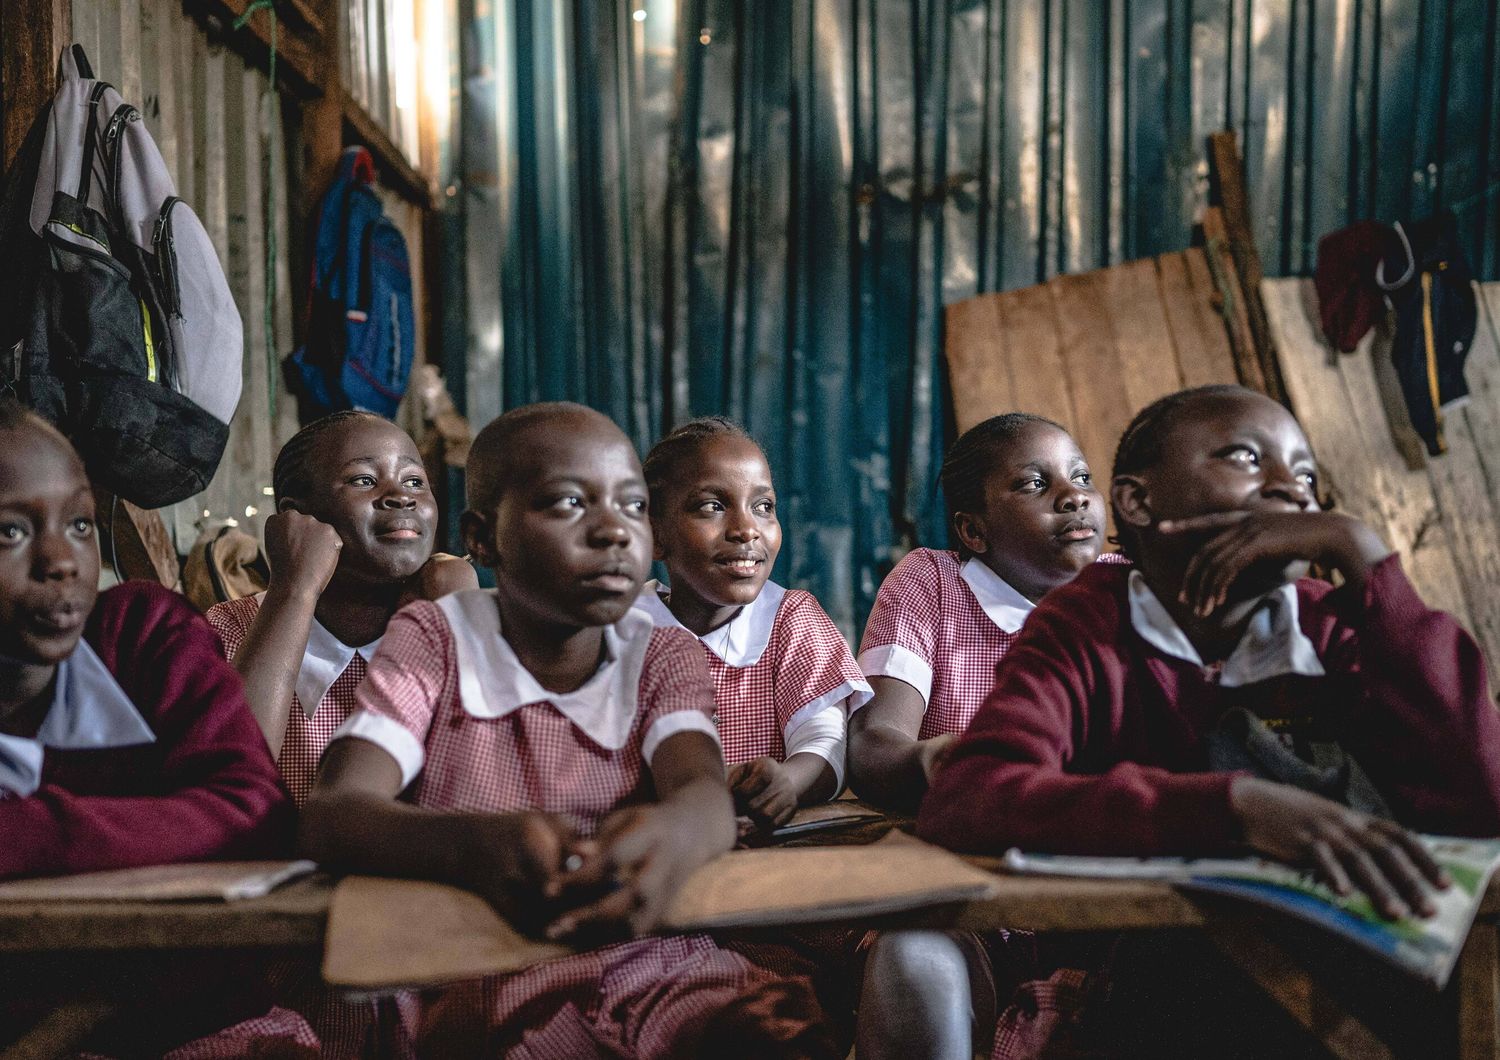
<point x="350" y="542"/>
<point x="784" y="680"/>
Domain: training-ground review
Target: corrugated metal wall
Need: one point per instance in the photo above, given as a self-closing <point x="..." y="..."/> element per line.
<point x="761" y="208"/>
<point x="225" y="139"/>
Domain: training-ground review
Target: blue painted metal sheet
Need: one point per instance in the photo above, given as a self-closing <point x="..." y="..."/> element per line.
<point x="675" y="207"/>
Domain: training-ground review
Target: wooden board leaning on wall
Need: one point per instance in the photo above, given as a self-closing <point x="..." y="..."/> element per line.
<point x="1440" y="512"/>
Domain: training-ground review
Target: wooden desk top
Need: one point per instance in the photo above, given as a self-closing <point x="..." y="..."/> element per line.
<point x="294" y="915"/>
<point x="297" y="915"/>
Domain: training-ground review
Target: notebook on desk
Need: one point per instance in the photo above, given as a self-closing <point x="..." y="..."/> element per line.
<point x="390" y="933"/>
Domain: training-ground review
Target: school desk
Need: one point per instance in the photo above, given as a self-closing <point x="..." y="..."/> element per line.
<point x="295" y="917"/>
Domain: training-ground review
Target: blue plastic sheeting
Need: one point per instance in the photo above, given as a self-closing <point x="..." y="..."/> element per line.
<point x="759" y="207"/>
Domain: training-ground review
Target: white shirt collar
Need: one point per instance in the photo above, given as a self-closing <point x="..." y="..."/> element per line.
<point x="742" y="640"/>
<point x="492" y="681"/>
<point x="1004" y="605"/>
<point x="89" y="710"/>
<point x="323" y="663"/>
<point x="1272" y="645"/>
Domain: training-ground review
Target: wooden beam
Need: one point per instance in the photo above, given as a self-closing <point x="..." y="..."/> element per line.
<point x="1230" y="300"/>
<point x="300" y="52"/>
<point x="396" y="171"/>
<point x="1227" y="185"/>
<point x="32" y="35"/>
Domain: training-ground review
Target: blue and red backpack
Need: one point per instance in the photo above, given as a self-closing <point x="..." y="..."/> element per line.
<point x="361" y="333"/>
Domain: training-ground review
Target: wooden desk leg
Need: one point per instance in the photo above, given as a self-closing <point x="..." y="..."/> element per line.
<point x="61" y="1031"/>
<point x="1479" y="994"/>
<point x="1287" y="983"/>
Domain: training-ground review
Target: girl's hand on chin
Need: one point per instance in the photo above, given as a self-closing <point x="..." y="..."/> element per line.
<point x="1247" y="538"/>
<point x="1346" y="849"/>
<point x="642" y="856"/>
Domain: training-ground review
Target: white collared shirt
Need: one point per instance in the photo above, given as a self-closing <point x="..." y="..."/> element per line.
<point x="819" y="727"/>
<point x="324" y="661"/>
<point x="1272" y="645"/>
<point x="493" y="682"/>
<point x="89" y="710"/>
<point x="1003" y="604"/>
<point x="739" y="642"/>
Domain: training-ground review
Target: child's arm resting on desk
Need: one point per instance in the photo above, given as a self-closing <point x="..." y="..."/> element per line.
<point x="647" y="852"/>
<point x="353" y="823"/>
<point x="219" y="796"/>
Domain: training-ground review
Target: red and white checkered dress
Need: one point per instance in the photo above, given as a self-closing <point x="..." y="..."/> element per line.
<point x="785" y="663"/>
<point x="306" y="737"/>
<point x="663" y="996"/>
<point x="343" y="1027"/>
<point x="929" y="629"/>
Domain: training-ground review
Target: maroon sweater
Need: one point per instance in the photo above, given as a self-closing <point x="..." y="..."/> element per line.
<point x="1094" y="742"/>
<point x="206" y="789"/>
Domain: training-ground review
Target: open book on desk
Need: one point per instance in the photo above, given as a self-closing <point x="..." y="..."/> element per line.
<point x="1427" y="948"/>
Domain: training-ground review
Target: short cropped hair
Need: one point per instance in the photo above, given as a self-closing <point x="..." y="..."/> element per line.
<point x="492" y="463"/>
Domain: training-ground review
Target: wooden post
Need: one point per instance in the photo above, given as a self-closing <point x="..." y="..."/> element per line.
<point x="32" y="34"/>
<point x="1227" y="181"/>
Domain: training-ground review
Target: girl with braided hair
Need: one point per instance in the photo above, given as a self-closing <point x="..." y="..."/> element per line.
<point x="350" y="542"/>
<point x="784" y="679"/>
<point x="1027" y="518"/>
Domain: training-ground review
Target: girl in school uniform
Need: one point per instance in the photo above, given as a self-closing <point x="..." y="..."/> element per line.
<point x="351" y="540"/>
<point x="558" y="757"/>
<point x="1023" y="506"/>
<point x="784" y="680"/>
<point x="1119" y="723"/>
<point x="124" y="737"/>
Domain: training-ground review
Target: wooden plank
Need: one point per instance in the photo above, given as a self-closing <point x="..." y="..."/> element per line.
<point x="301" y="52"/>
<point x="974" y="344"/>
<point x="85" y="32"/>
<point x="1479" y="994"/>
<point x="1227" y="179"/>
<point x="127" y="25"/>
<point x="1229" y="301"/>
<point x="62" y="1031"/>
<point x="1133" y="298"/>
<point x="396" y="171"/>
<point x="1320" y="402"/>
<point x="1469" y="506"/>
<point x="1198" y="335"/>
<point x="248" y="457"/>
<point x="1297" y="992"/>
<point x="1095" y="375"/>
<point x="294" y="915"/>
<point x="1420" y="531"/>
<point x="276" y="169"/>
<point x="1037" y="367"/>
<point x="32" y="35"/>
<point x="1482" y="371"/>
<point x="1340" y="412"/>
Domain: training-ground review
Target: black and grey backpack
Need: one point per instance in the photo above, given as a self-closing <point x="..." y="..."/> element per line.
<point x="118" y="324"/>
